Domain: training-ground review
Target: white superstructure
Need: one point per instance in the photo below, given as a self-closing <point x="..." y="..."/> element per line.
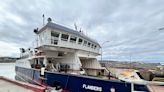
<point x="66" y="48"/>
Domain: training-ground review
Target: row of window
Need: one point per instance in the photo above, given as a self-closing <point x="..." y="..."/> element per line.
<point x="73" y="39"/>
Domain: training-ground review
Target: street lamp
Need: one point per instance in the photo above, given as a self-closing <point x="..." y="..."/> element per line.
<point x="102" y="47"/>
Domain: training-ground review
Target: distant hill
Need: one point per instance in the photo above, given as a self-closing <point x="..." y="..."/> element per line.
<point x="7" y="59"/>
<point x="132" y="64"/>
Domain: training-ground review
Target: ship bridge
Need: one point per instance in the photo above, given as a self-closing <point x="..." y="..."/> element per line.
<point x="54" y="35"/>
<point x="69" y="46"/>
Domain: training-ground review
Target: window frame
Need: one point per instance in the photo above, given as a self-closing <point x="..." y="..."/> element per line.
<point x="95" y="46"/>
<point x="64" y="39"/>
<point x="81" y="41"/>
<point x="89" y="44"/>
<point x="92" y="45"/>
<point x="57" y="33"/>
<point x="73" y="39"/>
<point x="85" y="43"/>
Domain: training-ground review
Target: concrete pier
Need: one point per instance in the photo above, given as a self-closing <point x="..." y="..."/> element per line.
<point x="8" y="85"/>
<point x="154" y="88"/>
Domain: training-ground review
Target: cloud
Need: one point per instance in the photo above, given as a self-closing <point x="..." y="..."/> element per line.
<point x="131" y="26"/>
<point x="9" y="49"/>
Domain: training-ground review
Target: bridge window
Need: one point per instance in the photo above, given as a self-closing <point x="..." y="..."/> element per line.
<point x="89" y="44"/>
<point x="55" y="34"/>
<point x="80" y="41"/>
<point x="95" y="47"/>
<point x="64" y="37"/>
<point x="92" y="46"/>
<point x="60" y="53"/>
<point x="54" y="41"/>
<point x="54" y="37"/>
<point x="73" y="39"/>
<point x="85" y="43"/>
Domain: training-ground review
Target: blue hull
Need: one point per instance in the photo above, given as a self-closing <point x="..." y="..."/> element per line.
<point x="75" y="83"/>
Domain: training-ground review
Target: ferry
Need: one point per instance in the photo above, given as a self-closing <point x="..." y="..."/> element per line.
<point x="65" y="60"/>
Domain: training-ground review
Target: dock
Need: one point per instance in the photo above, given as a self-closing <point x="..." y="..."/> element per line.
<point x="9" y="85"/>
<point x="155" y="88"/>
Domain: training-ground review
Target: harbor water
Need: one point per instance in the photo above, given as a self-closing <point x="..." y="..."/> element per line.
<point x="7" y="70"/>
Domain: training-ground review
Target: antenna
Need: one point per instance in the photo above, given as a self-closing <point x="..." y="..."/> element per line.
<point x="75" y="26"/>
<point x="86" y="33"/>
<point x="81" y="31"/>
<point x="43" y="19"/>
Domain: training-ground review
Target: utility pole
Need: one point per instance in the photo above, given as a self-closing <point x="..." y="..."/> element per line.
<point x="102" y="47"/>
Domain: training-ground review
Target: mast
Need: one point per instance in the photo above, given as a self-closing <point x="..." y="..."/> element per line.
<point x="43" y="19"/>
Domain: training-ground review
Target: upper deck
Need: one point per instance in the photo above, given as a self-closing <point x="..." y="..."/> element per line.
<point x="59" y="36"/>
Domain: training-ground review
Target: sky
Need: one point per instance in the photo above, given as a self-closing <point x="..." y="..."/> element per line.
<point x="126" y="29"/>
